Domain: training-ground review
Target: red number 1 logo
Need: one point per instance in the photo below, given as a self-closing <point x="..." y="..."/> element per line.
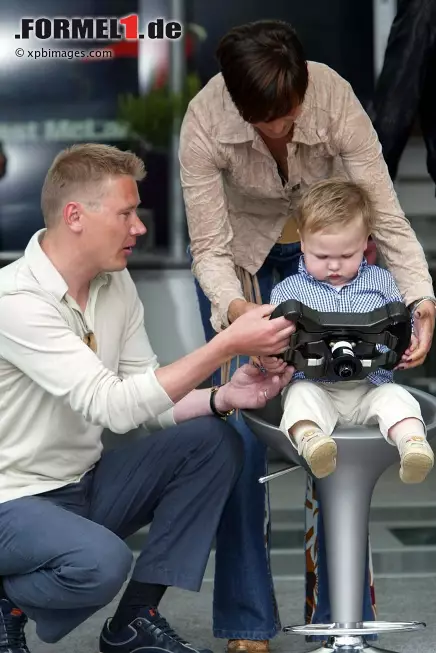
<point x="131" y="26"/>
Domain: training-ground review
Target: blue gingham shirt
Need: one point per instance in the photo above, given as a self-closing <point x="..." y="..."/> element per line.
<point x="372" y="288"/>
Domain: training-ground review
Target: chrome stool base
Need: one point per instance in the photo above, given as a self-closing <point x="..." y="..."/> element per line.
<point x="349" y="645"/>
<point x="350" y="638"/>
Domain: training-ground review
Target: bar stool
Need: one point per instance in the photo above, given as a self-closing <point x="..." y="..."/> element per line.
<point x="345" y="497"/>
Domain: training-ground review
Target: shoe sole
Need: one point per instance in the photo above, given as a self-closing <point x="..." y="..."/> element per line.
<point x="322" y="461"/>
<point x="415" y="467"/>
<point x="247" y="649"/>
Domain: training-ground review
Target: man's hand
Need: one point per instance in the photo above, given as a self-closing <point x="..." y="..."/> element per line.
<point x="254" y="334"/>
<point x="238" y="307"/>
<point x="424" y="322"/>
<point x="250" y="388"/>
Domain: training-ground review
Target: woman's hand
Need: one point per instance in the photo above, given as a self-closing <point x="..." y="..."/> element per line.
<point x="250" y="388"/>
<point x="238" y="307"/>
<point x="423" y="327"/>
<point x="371" y="252"/>
<point x="411" y="348"/>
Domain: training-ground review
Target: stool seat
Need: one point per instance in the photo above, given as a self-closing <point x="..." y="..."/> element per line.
<point x="351" y="441"/>
<point x="345" y="498"/>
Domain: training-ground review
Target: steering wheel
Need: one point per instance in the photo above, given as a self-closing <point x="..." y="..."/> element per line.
<point x="345" y="346"/>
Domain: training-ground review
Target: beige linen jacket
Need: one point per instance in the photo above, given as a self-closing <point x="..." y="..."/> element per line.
<point x="237" y="206"/>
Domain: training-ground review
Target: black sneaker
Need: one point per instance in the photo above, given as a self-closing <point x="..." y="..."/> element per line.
<point x="149" y="630"/>
<point x="12" y="622"/>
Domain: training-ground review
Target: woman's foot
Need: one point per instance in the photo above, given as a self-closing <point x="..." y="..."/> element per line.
<point x="417" y="459"/>
<point x="248" y="646"/>
<point x="319" y="451"/>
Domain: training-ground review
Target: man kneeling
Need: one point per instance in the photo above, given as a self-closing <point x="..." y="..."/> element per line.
<point x="74" y="359"/>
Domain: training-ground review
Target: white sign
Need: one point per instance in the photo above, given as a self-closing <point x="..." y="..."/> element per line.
<point x="52" y="131"/>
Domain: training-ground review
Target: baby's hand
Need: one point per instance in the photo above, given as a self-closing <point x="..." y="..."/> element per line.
<point x="273" y="365"/>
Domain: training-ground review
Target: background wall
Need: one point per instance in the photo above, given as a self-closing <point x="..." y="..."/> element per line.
<point x="48" y="104"/>
<point x="172" y="317"/>
<point x="337" y="32"/>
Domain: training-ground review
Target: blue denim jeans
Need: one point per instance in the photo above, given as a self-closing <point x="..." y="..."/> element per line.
<point x="244" y="600"/>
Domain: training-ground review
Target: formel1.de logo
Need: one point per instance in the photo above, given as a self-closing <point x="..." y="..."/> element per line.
<point x="97" y="28"/>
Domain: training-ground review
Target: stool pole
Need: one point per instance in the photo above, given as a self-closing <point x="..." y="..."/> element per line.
<point x="345" y="498"/>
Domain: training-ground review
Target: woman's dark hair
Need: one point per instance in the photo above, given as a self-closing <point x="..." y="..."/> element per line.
<point x="264" y="69"/>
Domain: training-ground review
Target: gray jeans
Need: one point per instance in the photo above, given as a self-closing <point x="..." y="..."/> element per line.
<point x="62" y="555"/>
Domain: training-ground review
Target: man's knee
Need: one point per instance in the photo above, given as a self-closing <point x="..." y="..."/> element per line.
<point x="221" y="440"/>
<point x="98" y="575"/>
<point x="109" y="570"/>
<point x="231" y="444"/>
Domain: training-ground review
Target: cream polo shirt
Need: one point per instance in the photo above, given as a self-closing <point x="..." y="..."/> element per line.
<point x="56" y="394"/>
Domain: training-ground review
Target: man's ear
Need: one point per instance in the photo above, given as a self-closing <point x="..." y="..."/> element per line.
<point x="71" y="216"/>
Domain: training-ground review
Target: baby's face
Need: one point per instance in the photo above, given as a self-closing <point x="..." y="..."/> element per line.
<point x="334" y="256"/>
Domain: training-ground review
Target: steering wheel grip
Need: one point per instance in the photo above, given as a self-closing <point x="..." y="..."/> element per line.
<point x="389" y="325"/>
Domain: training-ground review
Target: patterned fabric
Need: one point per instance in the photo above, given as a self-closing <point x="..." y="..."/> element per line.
<point x="237" y="205"/>
<point x="372" y="288"/>
<point x="311" y="512"/>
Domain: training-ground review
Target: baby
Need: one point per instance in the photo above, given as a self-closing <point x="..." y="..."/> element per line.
<point x="335" y="219"/>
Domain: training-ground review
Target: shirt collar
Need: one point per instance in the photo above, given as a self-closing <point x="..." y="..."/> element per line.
<point x="310" y="128"/>
<point x="45" y="272"/>
<point x="303" y="270"/>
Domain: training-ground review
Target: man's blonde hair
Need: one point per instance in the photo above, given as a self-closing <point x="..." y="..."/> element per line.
<point x="78" y="170"/>
<point x="334" y="203"/>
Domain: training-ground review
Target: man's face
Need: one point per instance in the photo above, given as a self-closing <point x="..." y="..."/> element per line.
<point x="110" y="226"/>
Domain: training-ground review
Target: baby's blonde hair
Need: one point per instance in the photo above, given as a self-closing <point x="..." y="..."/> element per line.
<point x="79" y="170"/>
<point x="334" y="202"/>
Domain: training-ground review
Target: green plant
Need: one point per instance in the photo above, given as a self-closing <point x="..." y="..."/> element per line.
<point x="150" y="117"/>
